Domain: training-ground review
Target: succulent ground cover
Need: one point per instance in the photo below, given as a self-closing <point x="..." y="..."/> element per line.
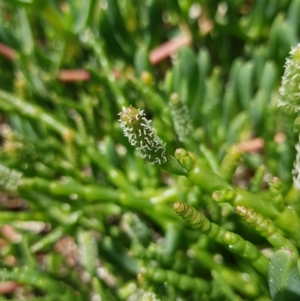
<point x="149" y="150"/>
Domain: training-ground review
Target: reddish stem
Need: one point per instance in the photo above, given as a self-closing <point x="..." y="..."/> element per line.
<point x="8" y="52"/>
<point x="73" y="75"/>
<point x="166" y="49"/>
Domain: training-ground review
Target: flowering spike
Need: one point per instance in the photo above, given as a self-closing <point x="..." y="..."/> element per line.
<point x="296" y="170"/>
<point x="181" y="118"/>
<point x="290" y="102"/>
<point x="290" y="83"/>
<point x="140" y="134"/>
<point x="290" y="90"/>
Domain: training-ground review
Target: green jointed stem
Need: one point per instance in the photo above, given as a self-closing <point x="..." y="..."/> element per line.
<point x="152" y="252"/>
<point x="265" y="227"/>
<point x="47" y="240"/>
<point x="37" y="279"/>
<point x="232" y="241"/>
<point x="245" y="198"/>
<point x="10" y="216"/>
<point x="249" y="286"/>
<point x="88" y="192"/>
<point x="10" y="102"/>
<point x="111" y="78"/>
<point x="287" y="219"/>
<point x="193" y="217"/>
<point x="91" y="193"/>
<point x="154" y="100"/>
<point x="230" y="162"/>
<point x="257" y="179"/>
<point x="115" y="175"/>
<point x="183" y="282"/>
<point x="224" y="287"/>
<point x="201" y="175"/>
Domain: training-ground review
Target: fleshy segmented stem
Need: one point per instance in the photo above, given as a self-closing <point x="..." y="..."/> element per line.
<point x="257" y="179"/>
<point x="230" y="162"/>
<point x="265" y="227"/>
<point x="248" y="286"/>
<point x="232" y="241"/>
<point x="201" y="175"/>
<point x="154" y="100"/>
<point x="193" y="217"/>
<point x="182" y="281"/>
<point x="151" y="253"/>
<point x="37" y="279"/>
<point x="10" y="102"/>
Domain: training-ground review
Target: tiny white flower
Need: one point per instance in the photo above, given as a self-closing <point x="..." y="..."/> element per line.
<point x="296" y="170"/>
<point x="290" y="83"/>
<point x="142" y="136"/>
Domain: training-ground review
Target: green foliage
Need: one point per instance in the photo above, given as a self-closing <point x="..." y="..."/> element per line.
<point x="113" y="111"/>
<point x="284" y="285"/>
